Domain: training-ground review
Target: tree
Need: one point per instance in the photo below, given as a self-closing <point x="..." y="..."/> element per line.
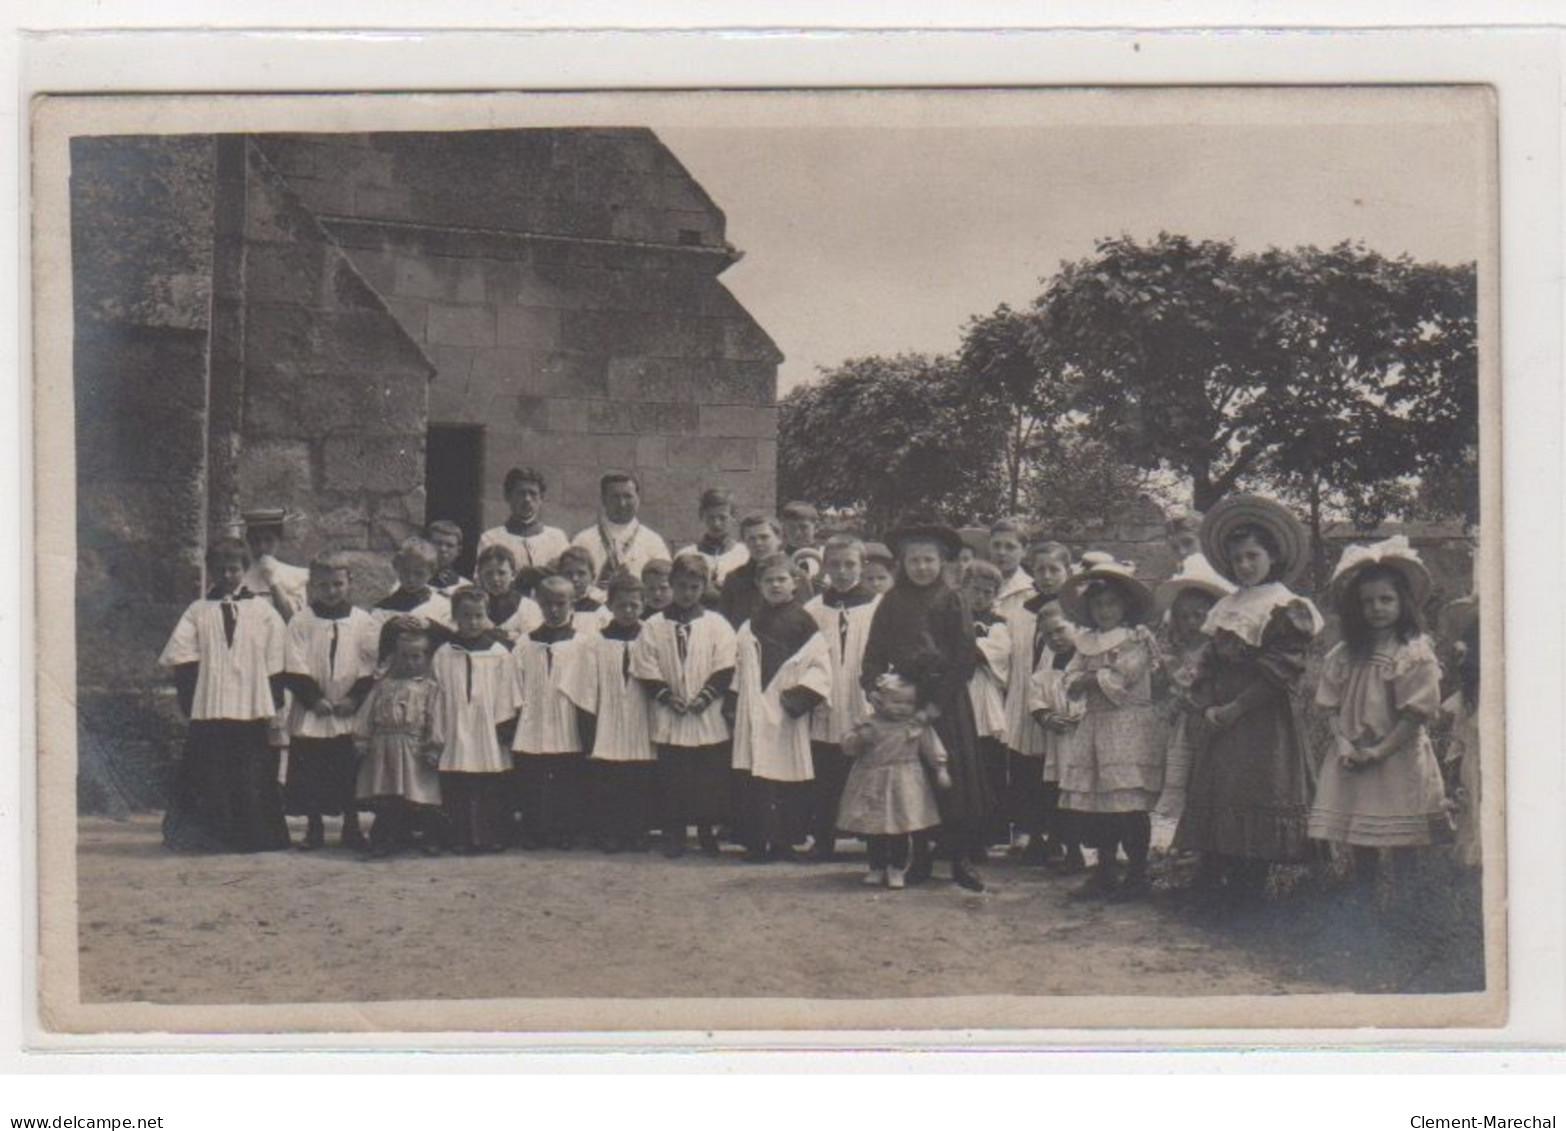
<point x="1001" y="356"/>
<point x="892" y="437"/>
<point x="1168" y="353"/>
<point x="1339" y="376"/>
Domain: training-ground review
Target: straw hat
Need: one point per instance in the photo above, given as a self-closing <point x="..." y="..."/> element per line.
<point x="943" y="536"/>
<point x="1198" y="577"/>
<point x="1396" y="554"/>
<point x="1287" y="531"/>
<point x="1122" y="575"/>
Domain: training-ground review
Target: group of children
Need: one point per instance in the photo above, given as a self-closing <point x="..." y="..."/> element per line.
<point x="770" y="692"/>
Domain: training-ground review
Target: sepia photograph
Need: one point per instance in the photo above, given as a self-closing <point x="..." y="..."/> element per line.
<point x="832" y="560"/>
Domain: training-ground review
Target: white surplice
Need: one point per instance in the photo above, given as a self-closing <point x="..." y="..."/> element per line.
<point x="768" y="743"/>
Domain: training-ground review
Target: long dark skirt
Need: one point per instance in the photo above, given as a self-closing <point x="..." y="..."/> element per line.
<point x="830" y="765"/>
<point x="550" y="794"/>
<point x="773" y="814"/>
<point x="225" y="795"/>
<point x="992" y="756"/>
<point x="970" y="801"/>
<point x="625" y="796"/>
<point x="694" y="786"/>
<point x="473" y="804"/>
<point x="321" y="776"/>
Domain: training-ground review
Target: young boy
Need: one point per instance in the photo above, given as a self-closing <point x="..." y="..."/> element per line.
<point x="740" y="594"/>
<point x="329" y="659"/>
<point x="1057" y="715"/>
<point x="550" y="671"/>
<point x="512" y="615"/>
<point x="447" y="538"/>
<point x="880" y="570"/>
<point x="1008" y="540"/>
<point x="534" y="547"/>
<point x="414" y="601"/>
<point x="684" y="657"/>
<point x="981" y="583"/>
<point x="723" y="552"/>
<point x="657" y="591"/>
<point x="799" y="533"/>
<point x="588" y="614"/>
<point x="842" y="612"/>
<point x="1050" y="564"/>
<point x="227" y="657"/>
<point x="621" y="760"/>
<point x="473" y="669"/>
<point x="782" y="672"/>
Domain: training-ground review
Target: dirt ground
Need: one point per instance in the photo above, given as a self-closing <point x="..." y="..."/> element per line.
<point x="324" y="927"/>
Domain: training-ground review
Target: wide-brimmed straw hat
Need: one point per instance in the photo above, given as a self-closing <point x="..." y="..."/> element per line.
<point x="943" y="536"/>
<point x="1396" y="554"/>
<point x="1122" y="575"/>
<point x="1197" y="576"/>
<point x="1287" y="532"/>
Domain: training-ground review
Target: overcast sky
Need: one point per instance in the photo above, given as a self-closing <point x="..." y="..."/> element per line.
<point x="863" y="240"/>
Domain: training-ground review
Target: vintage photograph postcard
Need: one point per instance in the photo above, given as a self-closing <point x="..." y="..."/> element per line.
<point x="842" y="561"/>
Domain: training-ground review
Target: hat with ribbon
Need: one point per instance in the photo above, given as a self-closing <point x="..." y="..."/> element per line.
<point x="1394" y="553"/>
<point x="1122" y="576"/>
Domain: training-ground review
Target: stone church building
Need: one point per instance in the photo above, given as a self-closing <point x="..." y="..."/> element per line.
<point x="372" y="329"/>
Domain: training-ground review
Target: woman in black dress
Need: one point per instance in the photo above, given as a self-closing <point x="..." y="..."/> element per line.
<point x="922" y="629"/>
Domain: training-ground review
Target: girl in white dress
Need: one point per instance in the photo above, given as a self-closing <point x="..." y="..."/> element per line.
<point x="895" y="756"/>
<point x="1112" y="767"/>
<point x="1380" y="788"/>
<point x="399" y="738"/>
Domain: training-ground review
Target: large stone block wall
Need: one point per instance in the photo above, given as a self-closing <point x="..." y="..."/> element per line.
<point x="141" y="243"/>
<point x="564" y="285"/>
<point x="333" y="389"/>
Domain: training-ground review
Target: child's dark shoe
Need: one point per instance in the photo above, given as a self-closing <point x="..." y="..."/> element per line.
<point x="354" y="839"/>
<point x="708" y="840"/>
<point x="757" y="856"/>
<point x="674" y="844"/>
<point x="966" y="877"/>
<point x="1035" y="853"/>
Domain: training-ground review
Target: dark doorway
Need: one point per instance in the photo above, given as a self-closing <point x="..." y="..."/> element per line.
<point x="454" y="482"/>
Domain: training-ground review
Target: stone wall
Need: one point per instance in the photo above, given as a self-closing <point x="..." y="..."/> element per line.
<point x="564" y="283"/>
<point x="141" y="245"/>
<point x="333" y="391"/>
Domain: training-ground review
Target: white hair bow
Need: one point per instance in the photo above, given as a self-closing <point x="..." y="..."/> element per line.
<point x="1354" y="557"/>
